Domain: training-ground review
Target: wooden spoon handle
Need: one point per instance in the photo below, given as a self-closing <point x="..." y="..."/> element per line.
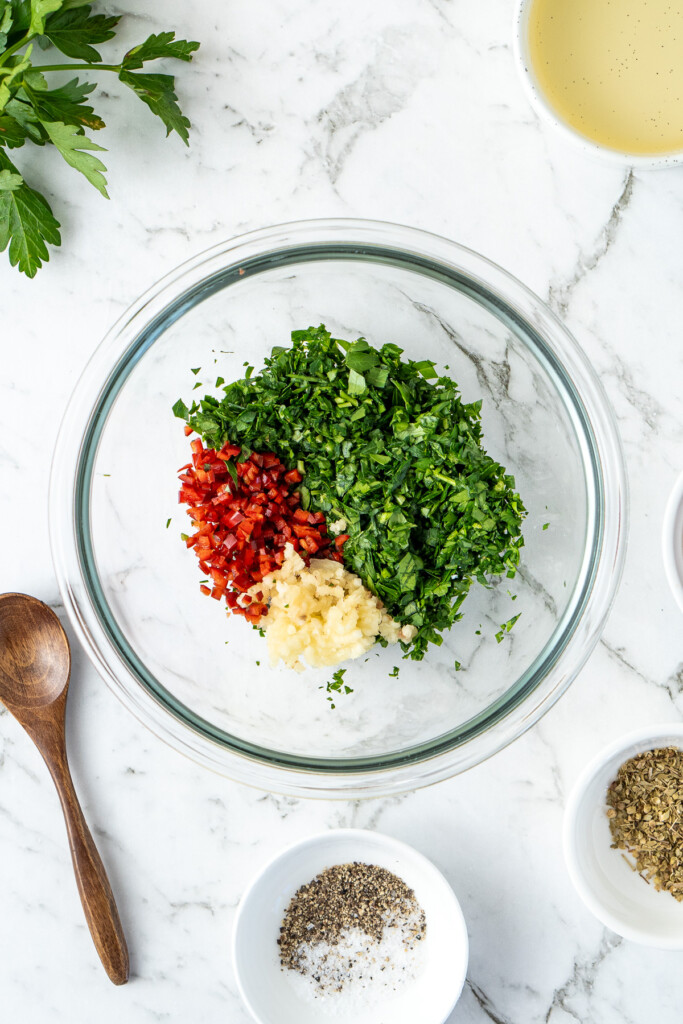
<point x="91" y="878"/>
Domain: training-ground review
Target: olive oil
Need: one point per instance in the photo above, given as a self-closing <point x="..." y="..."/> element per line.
<point x="612" y="69"/>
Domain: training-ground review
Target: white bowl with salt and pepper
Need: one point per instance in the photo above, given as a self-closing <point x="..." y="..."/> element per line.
<point x="611" y="889"/>
<point x="433" y="978"/>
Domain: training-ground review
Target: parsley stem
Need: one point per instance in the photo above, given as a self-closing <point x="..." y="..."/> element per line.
<point x="16" y="46"/>
<point x="78" y="67"/>
<point x="446" y="479"/>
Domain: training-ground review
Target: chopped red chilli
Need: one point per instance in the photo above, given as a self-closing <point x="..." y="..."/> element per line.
<point x="243" y="514"/>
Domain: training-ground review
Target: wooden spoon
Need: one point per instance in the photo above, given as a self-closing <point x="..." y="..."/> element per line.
<point x="35" y="664"/>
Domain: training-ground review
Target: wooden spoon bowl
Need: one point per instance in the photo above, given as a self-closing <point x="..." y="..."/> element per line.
<point x="31" y="674"/>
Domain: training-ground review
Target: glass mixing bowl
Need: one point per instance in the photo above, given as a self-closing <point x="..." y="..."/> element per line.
<point x="201" y="681"/>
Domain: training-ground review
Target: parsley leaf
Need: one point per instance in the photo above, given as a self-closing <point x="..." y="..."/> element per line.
<point x="73" y="146"/>
<point x="66" y="104"/>
<point x="155" y="47"/>
<point x="5" y="22"/>
<point x="506" y="627"/>
<point x="426" y="368"/>
<point x="10" y="78"/>
<point x="9" y="181"/>
<point x="158" y="93"/>
<point x="25" y="116"/>
<point x="337" y="685"/>
<point x="74" y="31"/>
<point x="26" y="224"/>
<point x="12" y="134"/>
<point x="360" y="357"/>
<point x="39" y="12"/>
<point x="357" y="383"/>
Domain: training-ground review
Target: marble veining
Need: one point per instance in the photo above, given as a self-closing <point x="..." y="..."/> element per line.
<point x="409" y="111"/>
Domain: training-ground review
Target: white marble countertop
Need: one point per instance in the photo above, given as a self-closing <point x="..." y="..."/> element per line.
<point x="408" y="111"/>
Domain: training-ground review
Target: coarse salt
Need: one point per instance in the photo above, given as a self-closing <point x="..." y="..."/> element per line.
<point x="358" y="971"/>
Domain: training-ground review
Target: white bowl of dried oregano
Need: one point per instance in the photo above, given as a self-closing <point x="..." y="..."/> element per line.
<point x="352" y="925"/>
<point x="623" y="836"/>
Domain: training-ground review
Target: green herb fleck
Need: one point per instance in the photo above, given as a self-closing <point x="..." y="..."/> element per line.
<point x="337" y="685"/>
<point x="506" y="627"/>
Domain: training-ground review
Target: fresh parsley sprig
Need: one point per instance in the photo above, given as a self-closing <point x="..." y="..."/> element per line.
<point x="31" y="111"/>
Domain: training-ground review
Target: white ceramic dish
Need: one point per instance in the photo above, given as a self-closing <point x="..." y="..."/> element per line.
<point x="615" y="893"/>
<point x="264" y="986"/>
<point x="548" y="113"/>
<point x="672" y="541"/>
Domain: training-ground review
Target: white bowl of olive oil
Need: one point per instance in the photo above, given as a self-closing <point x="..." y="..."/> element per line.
<point x="604" y="877"/>
<point x="607" y="75"/>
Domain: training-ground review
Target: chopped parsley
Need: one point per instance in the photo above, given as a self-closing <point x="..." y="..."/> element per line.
<point x="506" y="627"/>
<point x="336" y="685"/>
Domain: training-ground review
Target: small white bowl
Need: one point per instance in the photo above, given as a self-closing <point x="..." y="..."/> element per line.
<point x="611" y="890"/>
<point x="263" y="985"/>
<point x="548" y="113"/>
<point x="672" y="541"/>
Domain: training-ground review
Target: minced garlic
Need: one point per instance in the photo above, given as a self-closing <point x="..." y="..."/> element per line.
<point x="337" y="527"/>
<point x="321" y="614"/>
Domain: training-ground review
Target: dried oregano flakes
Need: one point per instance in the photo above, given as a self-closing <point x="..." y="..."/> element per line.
<point x="645" y="812"/>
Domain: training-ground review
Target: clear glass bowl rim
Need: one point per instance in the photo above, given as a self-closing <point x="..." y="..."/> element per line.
<point x="415" y="249"/>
